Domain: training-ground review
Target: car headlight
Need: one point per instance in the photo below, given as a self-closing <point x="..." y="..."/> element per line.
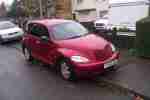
<point x="79" y="59"/>
<point x="21" y="32"/>
<point x="113" y="47"/>
<point x="4" y="35"/>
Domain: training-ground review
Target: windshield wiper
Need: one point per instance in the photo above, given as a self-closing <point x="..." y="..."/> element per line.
<point x="81" y="35"/>
<point x="75" y="36"/>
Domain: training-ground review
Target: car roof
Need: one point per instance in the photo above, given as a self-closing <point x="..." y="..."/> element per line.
<point x="50" y="22"/>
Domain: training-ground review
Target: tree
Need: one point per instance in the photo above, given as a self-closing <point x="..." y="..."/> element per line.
<point x="3" y="9"/>
<point x="19" y="8"/>
<point x="29" y="8"/>
<point x="13" y="10"/>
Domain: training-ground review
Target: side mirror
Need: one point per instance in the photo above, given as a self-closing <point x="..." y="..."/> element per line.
<point x="44" y="38"/>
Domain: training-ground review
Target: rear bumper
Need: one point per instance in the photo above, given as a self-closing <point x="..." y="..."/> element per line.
<point x="94" y="68"/>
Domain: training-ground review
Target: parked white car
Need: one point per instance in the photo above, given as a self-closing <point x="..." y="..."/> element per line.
<point x="9" y="31"/>
<point x="101" y="24"/>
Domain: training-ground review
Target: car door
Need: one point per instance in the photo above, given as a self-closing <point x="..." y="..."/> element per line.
<point x="34" y="40"/>
<point x="47" y="47"/>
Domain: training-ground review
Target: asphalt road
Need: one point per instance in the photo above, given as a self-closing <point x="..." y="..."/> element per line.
<point x="22" y="81"/>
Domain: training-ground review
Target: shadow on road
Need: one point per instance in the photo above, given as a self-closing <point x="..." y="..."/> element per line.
<point x="13" y="44"/>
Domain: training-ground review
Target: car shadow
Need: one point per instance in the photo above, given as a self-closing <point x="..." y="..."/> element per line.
<point x="54" y="72"/>
<point x="9" y="43"/>
<point x="12" y="44"/>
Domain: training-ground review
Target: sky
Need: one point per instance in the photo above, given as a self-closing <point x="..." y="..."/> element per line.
<point x="7" y="2"/>
<point x="114" y="1"/>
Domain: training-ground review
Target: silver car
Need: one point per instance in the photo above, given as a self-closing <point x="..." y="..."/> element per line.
<point x="9" y="31"/>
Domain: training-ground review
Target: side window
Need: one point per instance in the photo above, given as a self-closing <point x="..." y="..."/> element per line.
<point x="32" y="29"/>
<point x="44" y="31"/>
<point x="35" y="30"/>
<point x="38" y="30"/>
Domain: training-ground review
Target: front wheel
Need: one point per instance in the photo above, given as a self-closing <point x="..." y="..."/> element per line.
<point x="114" y="68"/>
<point x="67" y="70"/>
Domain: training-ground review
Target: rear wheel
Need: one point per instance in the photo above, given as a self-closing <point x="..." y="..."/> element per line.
<point x="114" y="68"/>
<point x="27" y="54"/>
<point x="67" y="70"/>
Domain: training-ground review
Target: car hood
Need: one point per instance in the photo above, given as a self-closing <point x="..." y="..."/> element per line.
<point x="10" y="30"/>
<point x="85" y="43"/>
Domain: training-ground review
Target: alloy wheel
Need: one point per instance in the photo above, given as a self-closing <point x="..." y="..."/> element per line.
<point x="65" y="71"/>
<point x="26" y="54"/>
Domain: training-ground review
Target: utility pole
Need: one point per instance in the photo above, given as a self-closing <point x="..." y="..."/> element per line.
<point x="48" y="8"/>
<point x="41" y="8"/>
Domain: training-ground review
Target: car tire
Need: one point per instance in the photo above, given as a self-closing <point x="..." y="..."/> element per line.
<point x="114" y="68"/>
<point x="66" y="70"/>
<point x="27" y="54"/>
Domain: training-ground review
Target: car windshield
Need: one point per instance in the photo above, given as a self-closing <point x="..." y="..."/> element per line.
<point x="69" y="30"/>
<point x="6" y="25"/>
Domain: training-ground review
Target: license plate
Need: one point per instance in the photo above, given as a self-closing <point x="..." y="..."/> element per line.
<point x="110" y="64"/>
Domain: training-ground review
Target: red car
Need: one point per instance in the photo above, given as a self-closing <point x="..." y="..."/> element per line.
<point x="69" y="46"/>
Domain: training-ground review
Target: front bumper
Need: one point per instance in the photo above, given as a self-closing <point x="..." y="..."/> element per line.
<point x="10" y="38"/>
<point x="94" y="68"/>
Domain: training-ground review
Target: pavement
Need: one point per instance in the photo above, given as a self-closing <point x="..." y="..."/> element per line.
<point x="133" y="76"/>
<point x="20" y="80"/>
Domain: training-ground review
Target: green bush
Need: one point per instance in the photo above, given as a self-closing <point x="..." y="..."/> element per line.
<point x="143" y="37"/>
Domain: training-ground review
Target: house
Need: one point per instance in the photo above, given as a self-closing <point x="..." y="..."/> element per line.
<point x="90" y="10"/>
<point x="102" y="7"/>
<point x="85" y="10"/>
<point x="63" y="8"/>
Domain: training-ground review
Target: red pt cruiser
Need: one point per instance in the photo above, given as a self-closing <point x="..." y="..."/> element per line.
<point x="69" y="46"/>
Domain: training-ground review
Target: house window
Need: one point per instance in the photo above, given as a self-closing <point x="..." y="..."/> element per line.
<point x="103" y="13"/>
<point x="84" y="12"/>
